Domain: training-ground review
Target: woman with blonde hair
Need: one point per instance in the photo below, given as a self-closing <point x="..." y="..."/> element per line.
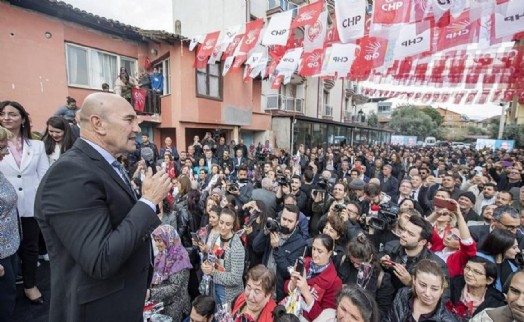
<point x="10" y="240"/>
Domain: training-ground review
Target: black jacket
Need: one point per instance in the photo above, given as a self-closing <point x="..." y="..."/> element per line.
<point x="492" y="299"/>
<point x="390" y="187"/>
<point x="284" y="256"/>
<point x="402" y="309"/>
<point x="397" y="255"/>
<point x="383" y="293"/>
<point x="185" y="222"/>
<point x="98" y="237"/>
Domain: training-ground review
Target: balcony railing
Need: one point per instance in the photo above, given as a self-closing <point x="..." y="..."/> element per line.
<point x="284" y="103"/>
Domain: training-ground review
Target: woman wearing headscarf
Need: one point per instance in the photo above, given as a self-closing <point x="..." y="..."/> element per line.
<point x="171" y="275"/>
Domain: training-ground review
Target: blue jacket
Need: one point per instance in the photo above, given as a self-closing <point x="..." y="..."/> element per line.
<point x="284" y="256"/>
<point x="157" y="82"/>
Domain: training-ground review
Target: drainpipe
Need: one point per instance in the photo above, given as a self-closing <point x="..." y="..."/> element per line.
<point x="247" y="11"/>
<point x="318" y="97"/>
<point x="342" y="102"/>
<point x="502" y="119"/>
<point x="292" y="135"/>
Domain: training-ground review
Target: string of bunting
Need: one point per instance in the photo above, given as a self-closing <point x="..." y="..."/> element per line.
<point x="464" y="44"/>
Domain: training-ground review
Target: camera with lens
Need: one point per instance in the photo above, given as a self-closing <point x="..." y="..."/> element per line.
<point x="339" y="207"/>
<point x="260" y="156"/>
<point x="233" y="186"/>
<point x="272" y="225"/>
<point x="386" y="218"/>
<point x="283" y="180"/>
<point x="322" y="185"/>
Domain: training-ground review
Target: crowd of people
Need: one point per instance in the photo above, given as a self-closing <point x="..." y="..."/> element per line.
<point x="255" y="233"/>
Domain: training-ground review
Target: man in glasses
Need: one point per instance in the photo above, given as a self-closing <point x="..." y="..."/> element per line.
<point x="505" y="181"/>
<point x="504" y="217"/>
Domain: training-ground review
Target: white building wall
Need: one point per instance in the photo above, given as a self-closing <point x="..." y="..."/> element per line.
<point x="199" y="17"/>
<point x="282" y="130"/>
<point x="258" y="8"/>
<point x="312" y="98"/>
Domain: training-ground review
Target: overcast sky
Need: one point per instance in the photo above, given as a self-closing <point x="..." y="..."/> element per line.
<point x="146" y="14"/>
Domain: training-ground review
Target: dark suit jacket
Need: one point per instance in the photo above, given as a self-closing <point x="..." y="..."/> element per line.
<point x="390" y="187"/>
<point x="98" y="239"/>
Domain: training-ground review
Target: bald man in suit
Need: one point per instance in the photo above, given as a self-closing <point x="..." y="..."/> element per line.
<point x="96" y="231"/>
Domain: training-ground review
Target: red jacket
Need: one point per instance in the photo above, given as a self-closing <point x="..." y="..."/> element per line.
<point x="265" y="315"/>
<point x="458" y="259"/>
<point x="324" y="288"/>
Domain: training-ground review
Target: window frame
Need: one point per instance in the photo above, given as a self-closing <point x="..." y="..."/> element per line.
<point x="89" y="51"/>
<point x="220" y="83"/>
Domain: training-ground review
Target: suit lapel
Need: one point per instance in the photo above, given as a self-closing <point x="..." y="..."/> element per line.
<point x="9" y="159"/>
<point x="104" y="165"/>
<point x="27" y="156"/>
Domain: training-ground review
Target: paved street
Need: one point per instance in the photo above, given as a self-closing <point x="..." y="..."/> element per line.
<point x="27" y="312"/>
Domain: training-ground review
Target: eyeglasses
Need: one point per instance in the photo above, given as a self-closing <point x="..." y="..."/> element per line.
<point x="509" y="227"/>
<point x="474" y="271"/>
<point x="454" y="236"/>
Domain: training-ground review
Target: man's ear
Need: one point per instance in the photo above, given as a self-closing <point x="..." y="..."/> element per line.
<point x="97" y="124"/>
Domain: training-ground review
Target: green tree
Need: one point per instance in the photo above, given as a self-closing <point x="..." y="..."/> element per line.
<point x="410" y="120"/>
<point x="434" y="114"/>
<point x="514" y="132"/>
<point x="372" y="119"/>
<point x="494" y="125"/>
<point x="473" y="130"/>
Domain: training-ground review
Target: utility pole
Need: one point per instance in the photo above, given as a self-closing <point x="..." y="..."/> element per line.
<point x="502" y="119"/>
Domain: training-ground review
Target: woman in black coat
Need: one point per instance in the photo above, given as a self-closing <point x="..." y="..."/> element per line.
<point x="360" y="266"/>
<point x="423" y="300"/>
<point x="473" y="292"/>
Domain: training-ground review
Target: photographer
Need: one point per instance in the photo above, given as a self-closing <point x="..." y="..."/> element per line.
<point x="322" y="201"/>
<point x="292" y="187"/>
<point x="253" y="226"/>
<point x="280" y="244"/>
<point x="373" y="196"/>
<point x="242" y="190"/>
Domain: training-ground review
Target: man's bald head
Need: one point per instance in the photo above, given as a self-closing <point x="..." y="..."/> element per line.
<point x="98" y="104"/>
<point x="109" y="121"/>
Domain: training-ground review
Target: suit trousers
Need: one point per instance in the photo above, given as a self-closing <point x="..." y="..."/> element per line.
<point x="28" y="250"/>
<point x="8" y="288"/>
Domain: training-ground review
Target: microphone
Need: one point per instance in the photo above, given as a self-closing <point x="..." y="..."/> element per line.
<point x="148" y="156"/>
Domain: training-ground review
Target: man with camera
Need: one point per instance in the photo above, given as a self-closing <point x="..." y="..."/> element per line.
<point x="281" y="244"/>
<point x="292" y="186"/>
<point x="242" y="189"/>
